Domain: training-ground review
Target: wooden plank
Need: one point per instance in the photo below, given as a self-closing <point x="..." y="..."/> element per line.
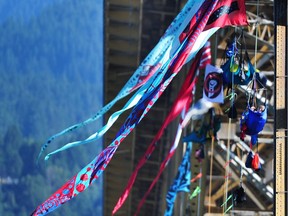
<point x="280" y="146"/>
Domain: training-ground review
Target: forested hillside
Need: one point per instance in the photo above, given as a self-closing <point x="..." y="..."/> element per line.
<point x="51" y="67"/>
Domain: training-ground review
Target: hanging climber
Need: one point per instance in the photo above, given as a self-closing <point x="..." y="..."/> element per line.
<point x="252" y="122"/>
<point x="238" y="69"/>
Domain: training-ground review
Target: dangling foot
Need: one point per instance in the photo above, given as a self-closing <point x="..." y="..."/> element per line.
<point x="242" y="135"/>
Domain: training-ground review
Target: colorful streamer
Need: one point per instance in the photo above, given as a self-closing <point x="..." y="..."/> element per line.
<point x="92" y="171"/>
<point x="229" y="20"/>
<point x="83" y="179"/>
<point x="182" y="100"/>
<point x="162" y="166"/>
<point x="204" y="36"/>
<point x="162" y="52"/>
<point x="164" y="163"/>
<point x="181" y="182"/>
<point x="166" y="160"/>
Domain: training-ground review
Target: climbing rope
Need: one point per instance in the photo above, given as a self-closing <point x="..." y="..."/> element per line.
<point x="227" y="166"/>
<point x="211" y="171"/>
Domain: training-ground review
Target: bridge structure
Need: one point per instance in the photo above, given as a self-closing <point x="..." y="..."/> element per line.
<point x="133" y="27"/>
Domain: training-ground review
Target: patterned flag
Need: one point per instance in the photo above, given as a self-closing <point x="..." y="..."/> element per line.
<point x="181" y="182"/>
<point x="213" y="84"/>
<point x="206" y="55"/>
<point x="227" y="13"/>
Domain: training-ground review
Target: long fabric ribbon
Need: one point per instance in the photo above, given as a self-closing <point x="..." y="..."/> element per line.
<point x="234" y="13"/>
<point x="94" y="169"/>
<point x="206" y="10"/>
<point x="162" y="167"/>
<point x="162" y="52"/>
<point x="85" y="177"/>
<point x="137" y="96"/>
<point x="169" y="156"/>
<point x="181" y="101"/>
<point x="131" y="103"/>
<point x="165" y="162"/>
<point x="204" y="36"/>
<point x="181" y="182"/>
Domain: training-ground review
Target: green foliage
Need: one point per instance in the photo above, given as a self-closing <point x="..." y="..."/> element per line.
<point x="24" y="185"/>
<point x="51" y="74"/>
<point x="49" y="67"/>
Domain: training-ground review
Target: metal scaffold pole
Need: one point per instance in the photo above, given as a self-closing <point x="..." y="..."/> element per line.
<point x="280" y="91"/>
